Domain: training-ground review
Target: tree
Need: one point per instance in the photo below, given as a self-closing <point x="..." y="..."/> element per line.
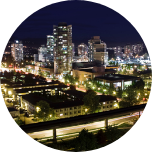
<point x="130" y="96"/>
<point x="72" y="87"/>
<point x="19" y="121"/>
<point x="101" y="138"/>
<point x="119" y="92"/>
<point x="17" y="76"/>
<point x="139" y="85"/>
<point x="85" y="141"/>
<point x="124" y="104"/>
<point x="40" y="72"/>
<point x="112" y="133"/>
<point x="46" y="73"/>
<point x="91" y="101"/>
<point x="43" y="110"/>
<point x="29" y="79"/>
<point x="111" y="90"/>
<point x="135" y="73"/>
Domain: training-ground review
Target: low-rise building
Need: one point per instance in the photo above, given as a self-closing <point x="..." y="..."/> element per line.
<point x="85" y="74"/>
<point x="117" y="80"/>
<point x="9" y="90"/>
<point x="68" y="108"/>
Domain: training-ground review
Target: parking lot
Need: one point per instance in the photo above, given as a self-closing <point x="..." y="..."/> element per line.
<point x="24" y="116"/>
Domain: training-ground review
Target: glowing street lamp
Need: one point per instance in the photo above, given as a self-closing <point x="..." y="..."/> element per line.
<point x="9" y="92"/>
<point x="37" y="109"/>
<point x="76" y="83"/>
<point x="114" y="92"/>
<point x="86" y="110"/>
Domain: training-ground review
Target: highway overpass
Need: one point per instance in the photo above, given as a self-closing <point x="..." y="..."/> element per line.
<point x="73" y="121"/>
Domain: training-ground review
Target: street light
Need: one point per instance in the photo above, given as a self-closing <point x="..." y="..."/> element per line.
<point x="37" y="109"/>
<point x="86" y="110"/>
<point x="114" y="92"/>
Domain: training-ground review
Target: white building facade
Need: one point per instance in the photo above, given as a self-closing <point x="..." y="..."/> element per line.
<point x="97" y="50"/>
<point x="17" y="50"/>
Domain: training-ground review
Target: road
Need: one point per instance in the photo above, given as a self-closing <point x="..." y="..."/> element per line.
<point x="74" y="129"/>
<point x="84" y="90"/>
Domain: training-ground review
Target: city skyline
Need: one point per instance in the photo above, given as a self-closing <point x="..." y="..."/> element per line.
<point x="110" y="26"/>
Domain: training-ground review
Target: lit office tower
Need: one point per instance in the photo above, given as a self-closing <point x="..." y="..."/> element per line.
<point x="97" y="50"/>
<point x="128" y="51"/>
<point x="62" y="48"/>
<point x="82" y="49"/>
<point x="42" y="53"/>
<point x="50" y="48"/>
<point x="73" y="49"/>
<point x="118" y="52"/>
<point x="137" y="48"/>
<point x="17" y="51"/>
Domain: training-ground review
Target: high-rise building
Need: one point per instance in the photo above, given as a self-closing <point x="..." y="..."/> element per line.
<point x="118" y="52"/>
<point x="73" y="50"/>
<point x="42" y="53"/>
<point x="95" y="45"/>
<point x="17" y="50"/>
<point x="50" y="48"/>
<point x="133" y="50"/>
<point x="62" y="48"/>
<point x="137" y="48"/>
<point x="102" y="57"/>
<point x="82" y="49"/>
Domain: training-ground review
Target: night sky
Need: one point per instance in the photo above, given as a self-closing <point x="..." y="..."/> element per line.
<point x="87" y="19"/>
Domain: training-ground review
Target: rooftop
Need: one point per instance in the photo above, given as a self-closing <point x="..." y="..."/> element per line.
<point x="39" y="88"/>
<point x="114" y="77"/>
<point x="104" y="98"/>
<point x="10" y="109"/>
<point x="24" y="85"/>
<point x="76" y="93"/>
<point x="88" y="70"/>
<point x="33" y="98"/>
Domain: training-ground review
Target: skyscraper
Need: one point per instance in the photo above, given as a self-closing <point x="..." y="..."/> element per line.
<point x="97" y="50"/>
<point x="118" y="51"/>
<point x="42" y="51"/>
<point x="50" y="48"/>
<point x="62" y="48"/>
<point x="95" y="45"/>
<point x="17" y="51"/>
